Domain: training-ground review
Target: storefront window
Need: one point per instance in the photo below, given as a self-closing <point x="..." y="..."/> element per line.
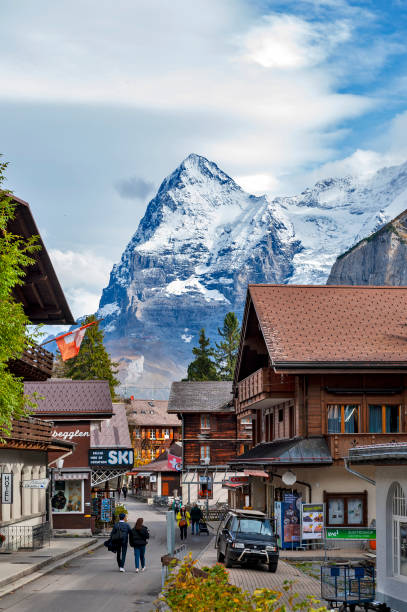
<point x="343" y="418"/>
<point x="346" y="510"/>
<point x="205" y="487"/>
<point x="399" y="518"/>
<point x="68" y="496"/>
<point x="384" y="418"/>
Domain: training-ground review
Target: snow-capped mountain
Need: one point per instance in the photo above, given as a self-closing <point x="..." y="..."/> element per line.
<point x="200" y="242"/>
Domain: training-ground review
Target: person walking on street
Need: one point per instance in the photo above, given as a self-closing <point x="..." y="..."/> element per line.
<point x="139" y="541"/>
<point x="196" y="515"/>
<point x="124" y="491"/>
<point x="120" y="536"/>
<point x="118" y="491"/>
<point x="183" y="520"/>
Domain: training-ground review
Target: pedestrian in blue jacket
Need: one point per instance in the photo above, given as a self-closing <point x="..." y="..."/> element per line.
<point x="120" y="538"/>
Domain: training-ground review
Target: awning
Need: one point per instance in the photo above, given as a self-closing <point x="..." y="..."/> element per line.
<point x="259" y="473"/>
<point x="72" y="476"/>
<point x="234" y="485"/>
<point x="300" y="451"/>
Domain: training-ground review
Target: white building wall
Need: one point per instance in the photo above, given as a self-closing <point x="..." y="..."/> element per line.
<point x="190" y="487"/>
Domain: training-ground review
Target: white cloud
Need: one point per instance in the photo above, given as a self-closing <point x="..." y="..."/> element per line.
<point x="82" y="276"/>
<point x="258" y="184"/>
<point x="289" y="42"/>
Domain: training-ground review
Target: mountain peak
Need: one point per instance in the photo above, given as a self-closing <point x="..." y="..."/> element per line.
<point x="196" y="169"/>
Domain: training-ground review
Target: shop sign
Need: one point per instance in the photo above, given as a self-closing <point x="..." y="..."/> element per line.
<point x="39" y="483"/>
<point x="109" y="457"/>
<point x="350" y="533"/>
<point x="6" y="488"/>
<point x="70" y="435"/>
<point x="312" y="521"/>
<point x="106" y="510"/>
<point x="239" y="479"/>
<point x="153" y="478"/>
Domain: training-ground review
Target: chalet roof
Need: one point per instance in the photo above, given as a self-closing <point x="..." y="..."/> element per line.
<point x="206" y="396"/>
<point x="332" y="326"/>
<point x="113" y="432"/>
<point x="382" y="454"/>
<point x="150" y="413"/>
<point x="299" y="451"/>
<point x="41" y="294"/>
<point x="60" y="396"/>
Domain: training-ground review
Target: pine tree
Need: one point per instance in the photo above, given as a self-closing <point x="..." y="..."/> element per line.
<point x="15" y="256"/>
<point x="227" y="348"/>
<point x="93" y="361"/>
<point x="202" y="367"/>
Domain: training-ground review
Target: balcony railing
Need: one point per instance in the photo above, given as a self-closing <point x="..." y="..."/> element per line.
<point x="30" y="428"/>
<point x="35" y="363"/>
<point x="339" y="444"/>
<point x="263" y="384"/>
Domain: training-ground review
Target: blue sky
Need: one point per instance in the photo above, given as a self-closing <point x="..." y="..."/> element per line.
<point x="99" y="100"/>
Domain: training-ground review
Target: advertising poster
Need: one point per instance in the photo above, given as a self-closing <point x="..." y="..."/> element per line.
<point x="291" y="522"/>
<point x="312" y="521"/>
<point x="106" y="510"/>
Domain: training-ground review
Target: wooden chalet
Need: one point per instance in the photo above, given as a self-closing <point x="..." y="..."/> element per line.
<point x="321" y="369"/>
<point x="210" y="437"/>
<point x="24" y="454"/>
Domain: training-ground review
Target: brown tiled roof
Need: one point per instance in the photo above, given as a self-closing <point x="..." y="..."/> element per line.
<point x="64" y="396"/>
<point x="113" y="432"/>
<point x="150" y="413"/>
<point x="205" y="396"/>
<point x="332" y="324"/>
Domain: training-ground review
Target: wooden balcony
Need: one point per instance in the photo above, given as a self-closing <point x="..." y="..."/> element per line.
<point x="31" y="429"/>
<point x="262" y="385"/>
<point x="339" y="444"/>
<point x="34" y="364"/>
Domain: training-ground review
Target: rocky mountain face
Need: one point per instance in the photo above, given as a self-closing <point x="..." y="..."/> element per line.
<point x="203" y="239"/>
<point x="379" y="259"/>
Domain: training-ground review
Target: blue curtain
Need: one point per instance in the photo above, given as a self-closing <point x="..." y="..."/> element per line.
<point x="351" y="421"/>
<point x="375" y="419"/>
<point x="334" y="419"/>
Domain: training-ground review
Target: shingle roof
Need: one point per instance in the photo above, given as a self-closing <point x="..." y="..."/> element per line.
<point x="64" y="396"/>
<point x="112" y="432"/>
<point x="287" y="452"/>
<point x="206" y="396"/>
<point x="151" y="413"/>
<point x="310" y="324"/>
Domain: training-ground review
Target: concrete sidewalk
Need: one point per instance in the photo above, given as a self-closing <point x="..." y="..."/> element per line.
<point x="250" y="579"/>
<point x="21" y="567"/>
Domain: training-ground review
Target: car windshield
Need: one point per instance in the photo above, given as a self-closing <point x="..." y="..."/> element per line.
<point x="258" y="527"/>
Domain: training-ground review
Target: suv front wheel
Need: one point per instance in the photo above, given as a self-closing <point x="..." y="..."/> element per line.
<point x="220" y="557"/>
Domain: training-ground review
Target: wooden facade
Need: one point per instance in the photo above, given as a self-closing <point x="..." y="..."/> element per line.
<point x="212" y="435"/>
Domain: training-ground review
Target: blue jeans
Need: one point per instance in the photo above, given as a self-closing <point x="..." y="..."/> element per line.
<point x="139" y="555"/>
<point x="121" y="554"/>
<point x="195" y="527"/>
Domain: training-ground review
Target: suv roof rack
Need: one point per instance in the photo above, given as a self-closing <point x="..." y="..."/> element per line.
<point x="253" y="513"/>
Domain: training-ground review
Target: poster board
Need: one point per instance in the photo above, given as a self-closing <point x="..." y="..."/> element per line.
<point x="312" y="521"/>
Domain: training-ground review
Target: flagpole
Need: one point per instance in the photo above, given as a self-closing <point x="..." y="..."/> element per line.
<point x="71" y="332"/>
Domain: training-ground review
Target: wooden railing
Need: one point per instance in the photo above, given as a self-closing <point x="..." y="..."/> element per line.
<point x="339" y="444"/>
<point x="30" y="428"/>
<point x="262" y="384"/>
<point x="38" y="357"/>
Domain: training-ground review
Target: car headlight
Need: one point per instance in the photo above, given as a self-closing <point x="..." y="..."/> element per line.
<point x="271" y="548"/>
<point x="238" y="545"/>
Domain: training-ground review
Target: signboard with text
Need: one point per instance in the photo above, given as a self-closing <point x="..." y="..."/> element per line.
<point x="117" y="457"/>
<point x="40" y="483"/>
<point x="6" y="488"/>
<point x="312" y="521"/>
<point x="350" y="533"/>
<point x="106" y="510"/>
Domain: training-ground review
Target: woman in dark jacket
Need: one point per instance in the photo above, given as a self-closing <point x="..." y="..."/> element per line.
<point x="140" y="537"/>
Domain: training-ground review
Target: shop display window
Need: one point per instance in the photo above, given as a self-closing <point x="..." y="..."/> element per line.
<point x="67" y="497"/>
<point x="399" y="520"/>
<point x="346" y="509"/>
<point x="205" y="487"/>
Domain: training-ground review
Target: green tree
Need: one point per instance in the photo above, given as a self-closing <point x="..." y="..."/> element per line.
<point x="15" y="256"/>
<point x="93" y="361"/>
<point x="227" y="348"/>
<point x="202" y="367"/>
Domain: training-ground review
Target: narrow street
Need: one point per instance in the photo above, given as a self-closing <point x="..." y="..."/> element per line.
<point x="93" y="582"/>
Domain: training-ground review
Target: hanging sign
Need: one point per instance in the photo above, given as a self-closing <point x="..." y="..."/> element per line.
<point x="153" y="478"/>
<point x="118" y="457"/>
<point x="312" y="521"/>
<point x="6" y="488"/>
<point x="40" y="483"/>
<point x="350" y="533"/>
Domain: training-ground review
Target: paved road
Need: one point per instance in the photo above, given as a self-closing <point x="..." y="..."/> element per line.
<point x="93" y="583"/>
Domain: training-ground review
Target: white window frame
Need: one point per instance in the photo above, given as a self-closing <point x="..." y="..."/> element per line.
<point x="205" y="452"/>
<point x="152" y="434"/>
<point x="138" y="433"/>
<point x="205" y="421"/>
<point x="399" y="515"/>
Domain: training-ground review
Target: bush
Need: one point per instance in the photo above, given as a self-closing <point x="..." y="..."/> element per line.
<point x="188" y="589"/>
<point x="119" y="509"/>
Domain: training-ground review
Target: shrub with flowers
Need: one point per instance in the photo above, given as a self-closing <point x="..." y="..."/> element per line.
<point x="188" y="589"/>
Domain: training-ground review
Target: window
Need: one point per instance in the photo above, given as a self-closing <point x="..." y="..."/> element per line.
<point x="205" y="421"/>
<point x="205" y="490"/>
<point x="384" y="418"/>
<point x="166" y="433"/>
<point x="137" y="432"/>
<point x="280" y="415"/>
<point x="246" y="421"/>
<point x="67" y="497"/>
<point x="346" y="509"/>
<point x="343" y="418"/>
<point x="399" y="518"/>
<point x="205" y="454"/>
<point x="152" y="434"/>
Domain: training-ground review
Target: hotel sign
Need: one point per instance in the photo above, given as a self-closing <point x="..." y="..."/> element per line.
<point x="6" y="488"/>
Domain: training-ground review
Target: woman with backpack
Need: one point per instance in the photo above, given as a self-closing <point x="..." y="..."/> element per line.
<point x="140" y="535"/>
<point x="183" y="520"/>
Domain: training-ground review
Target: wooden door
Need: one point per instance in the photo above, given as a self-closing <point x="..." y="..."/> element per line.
<point x="164" y="488"/>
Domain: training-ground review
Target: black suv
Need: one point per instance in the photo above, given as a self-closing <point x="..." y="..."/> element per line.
<point x="247" y="535"/>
